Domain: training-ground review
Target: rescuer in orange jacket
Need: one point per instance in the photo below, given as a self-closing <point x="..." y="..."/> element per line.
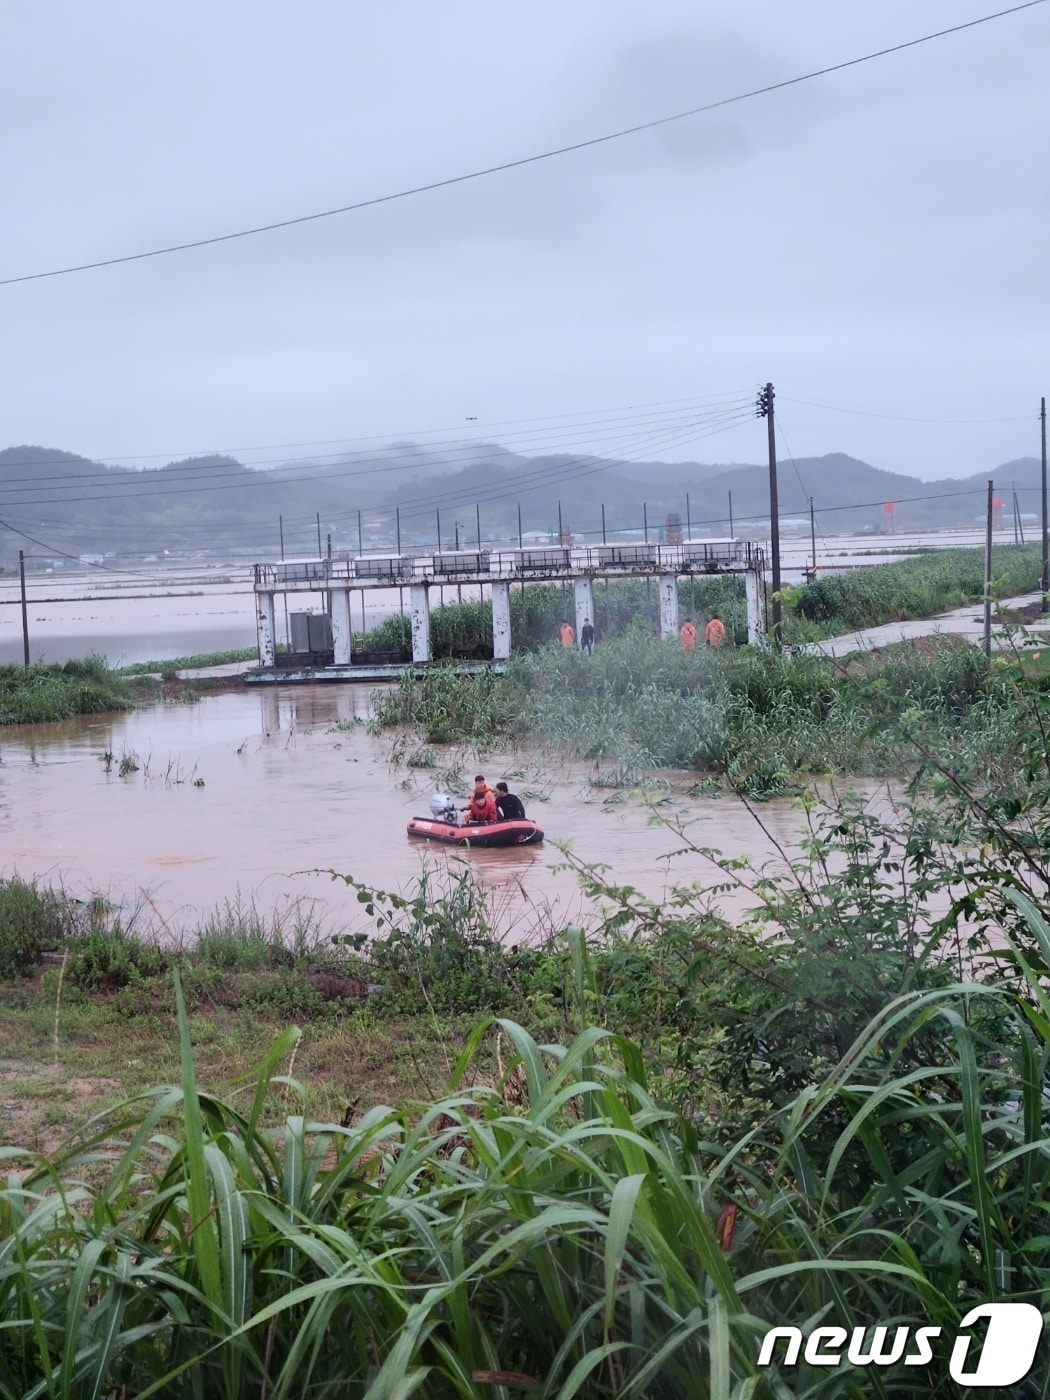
<point x="687" y="632"/>
<point x="482" y="804"/>
<point x="715" y="631"/>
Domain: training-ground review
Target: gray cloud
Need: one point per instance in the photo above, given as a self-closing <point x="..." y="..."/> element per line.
<point x="872" y="239"/>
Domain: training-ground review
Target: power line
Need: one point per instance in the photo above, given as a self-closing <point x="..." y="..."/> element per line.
<point x="900" y="417"/>
<point x="388" y="512"/>
<point x="414" y="509"/>
<point x="387" y="438"/>
<point x="524" y="160"/>
<point x="665" y="436"/>
<point x="315" y="468"/>
<point x="545" y="476"/>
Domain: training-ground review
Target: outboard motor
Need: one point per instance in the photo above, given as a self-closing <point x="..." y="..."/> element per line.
<point x="443" y="809"/>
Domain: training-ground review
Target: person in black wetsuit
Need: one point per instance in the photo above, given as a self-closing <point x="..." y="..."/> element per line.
<point x="508" y="806"/>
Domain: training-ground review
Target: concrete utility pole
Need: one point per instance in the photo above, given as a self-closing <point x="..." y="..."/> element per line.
<point x="813" y="536"/>
<point x="287" y="632"/>
<point x="1044" y="580"/>
<point x="764" y="408"/>
<point x="25" y="614"/>
<point x="988" y="575"/>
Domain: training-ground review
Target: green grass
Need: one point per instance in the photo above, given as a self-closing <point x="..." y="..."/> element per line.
<point x="43" y="692"/>
<point x="918" y="587"/>
<point x="188" y="663"/>
<point x="560" y="1226"/>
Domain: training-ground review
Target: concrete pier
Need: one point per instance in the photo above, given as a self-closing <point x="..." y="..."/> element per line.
<point x="583" y="595"/>
<point x="420" y="616"/>
<point x="668" y="606"/>
<point x="500" y="621"/>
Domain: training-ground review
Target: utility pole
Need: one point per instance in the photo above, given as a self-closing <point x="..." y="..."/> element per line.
<point x="400" y="591"/>
<point x="988" y="576"/>
<point x="361" y="550"/>
<point x="731" y="535"/>
<point x="689" y="520"/>
<point x="25" y="615"/>
<point x="284" y="595"/>
<point x="1044" y="580"/>
<point x="813" y="536"/>
<point x="1017" y="519"/>
<point x="764" y="409"/>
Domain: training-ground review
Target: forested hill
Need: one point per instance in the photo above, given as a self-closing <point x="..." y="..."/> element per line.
<point x="58" y="502"/>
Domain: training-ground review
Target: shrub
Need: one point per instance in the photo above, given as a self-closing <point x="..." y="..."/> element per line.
<point x="107" y="959"/>
<point x="31" y="921"/>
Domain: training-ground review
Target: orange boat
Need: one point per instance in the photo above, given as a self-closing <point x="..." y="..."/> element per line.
<point x="481" y="834"/>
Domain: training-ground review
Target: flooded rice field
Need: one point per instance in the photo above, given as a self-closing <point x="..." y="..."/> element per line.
<point x="247" y="794"/>
<point x="153" y="613"/>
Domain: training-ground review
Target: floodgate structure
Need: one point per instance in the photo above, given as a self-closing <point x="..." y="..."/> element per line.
<point x="322" y="641"/>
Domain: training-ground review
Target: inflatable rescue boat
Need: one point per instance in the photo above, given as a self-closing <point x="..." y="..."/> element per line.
<point x="443" y="825"/>
<point x="517" y="833"/>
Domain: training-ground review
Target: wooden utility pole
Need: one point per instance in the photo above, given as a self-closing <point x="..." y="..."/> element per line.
<point x="1044" y="579"/>
<point x="25" y="615"/>
<point x="988" y="576"/>
<point x="764" y="408"/>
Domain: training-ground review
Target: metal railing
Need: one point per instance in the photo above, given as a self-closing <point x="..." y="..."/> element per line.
<point x="531" y="562"/>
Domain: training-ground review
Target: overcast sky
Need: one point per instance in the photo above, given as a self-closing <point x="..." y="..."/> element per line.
<point x="873" y="240"/>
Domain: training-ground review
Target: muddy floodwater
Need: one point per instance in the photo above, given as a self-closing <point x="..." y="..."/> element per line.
<point x="243" y="794"/>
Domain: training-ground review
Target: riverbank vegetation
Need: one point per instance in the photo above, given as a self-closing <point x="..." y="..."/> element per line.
<point x="759" y="718"/>
<point x="200" y="661"/>
<point x="45" y="692"/>
<point x="622" y="1159"/>
<point x="842" y="601"/>
<point x="920" y="586"/>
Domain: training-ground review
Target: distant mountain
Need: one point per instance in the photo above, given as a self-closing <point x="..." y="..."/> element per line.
<point x="58" y="503"/>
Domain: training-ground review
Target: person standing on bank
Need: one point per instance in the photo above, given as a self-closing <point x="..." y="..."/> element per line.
<point x="587" y="636"/>
<point x="715" y="631"/>
<point x="687" y="632"/>
<point x="567" y="633"/>
<point x="509" y="807"/>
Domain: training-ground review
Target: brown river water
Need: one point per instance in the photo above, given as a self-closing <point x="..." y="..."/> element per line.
<point x="241" y="796"/>
<point x="244" y="794"/>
